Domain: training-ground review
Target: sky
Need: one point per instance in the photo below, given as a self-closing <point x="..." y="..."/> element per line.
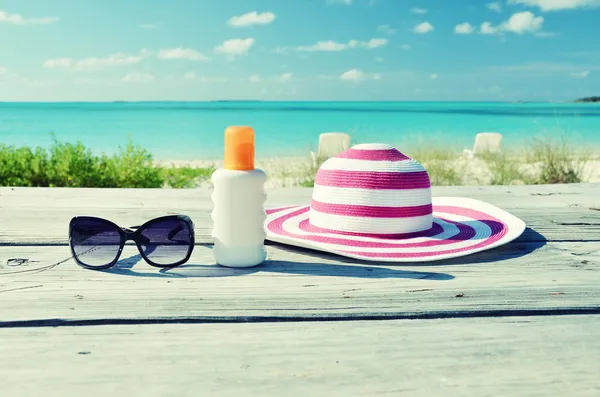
<point x="286" y="50"/>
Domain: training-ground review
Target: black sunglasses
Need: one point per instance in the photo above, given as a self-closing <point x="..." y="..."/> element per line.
<point x="97" y="243"/>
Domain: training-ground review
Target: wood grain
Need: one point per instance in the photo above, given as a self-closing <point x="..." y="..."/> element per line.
<point x="495" y="323"/>
<point x="536" y="356"/>
<point x="41" y="216"/>
<point x="297" y="283"/>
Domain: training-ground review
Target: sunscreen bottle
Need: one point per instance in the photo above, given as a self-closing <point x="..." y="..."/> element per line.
<point x="238" y="203"/>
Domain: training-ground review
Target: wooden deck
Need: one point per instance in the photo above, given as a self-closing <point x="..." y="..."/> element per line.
<point x="520" y="320"/>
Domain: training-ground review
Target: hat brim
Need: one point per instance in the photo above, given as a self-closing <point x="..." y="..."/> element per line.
<point x="461" y="226"/>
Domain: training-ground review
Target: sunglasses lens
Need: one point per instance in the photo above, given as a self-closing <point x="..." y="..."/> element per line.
<point x="95" y="242"/>
<point x="167" y="242"/>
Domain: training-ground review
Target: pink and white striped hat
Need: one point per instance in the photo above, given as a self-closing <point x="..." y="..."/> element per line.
<point x="372" y="202"/>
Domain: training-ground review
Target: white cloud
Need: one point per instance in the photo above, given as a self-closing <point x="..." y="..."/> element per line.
<point x="148" y="26"/>
<point x="379" y="59"/>
<point x="557" y="5"/>
<point x="357" y="75"/>
<point x="285" y="77"/>
<point x="59" y="63"/>
<point x="464" y="28"/>
<point x="344" y="2"/>
<point x="375" y="43"/>
<point x="254" y="78"/>
<point x="3" y="70"/>
<point x="190" y="76"/>
<point x="252" y="18"/>
<point x="138" y="78"/>
<point x="387" y="29"/>
<point x="519" y="23"/>
<point x="418" y="11"/>
<point x="182" y="53"/>
<point x="93" y="64"/>
<point x="433" y="76"/>
<point x="495" y="6"/>
<point x="406" y="46"/>
<point x="424" y="27"/>
<point x="580" y="75"/>
<point x="118" y="59"/>
<point x="331" y="45"/>
<point x="523" y="22"/>
<point x="487" y="28"/>
<point x="235" y="46"/>
<point x="18" y="19"/>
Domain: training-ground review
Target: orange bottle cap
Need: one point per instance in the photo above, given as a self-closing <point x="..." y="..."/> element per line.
<point x="239" y="148"/>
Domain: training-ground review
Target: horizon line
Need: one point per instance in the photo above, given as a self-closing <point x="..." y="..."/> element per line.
<point x="296" y="101"/>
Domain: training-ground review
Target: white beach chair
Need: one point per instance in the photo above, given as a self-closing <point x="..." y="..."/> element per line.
<point x="330" y="144"/>
<point x="485" y="142"/>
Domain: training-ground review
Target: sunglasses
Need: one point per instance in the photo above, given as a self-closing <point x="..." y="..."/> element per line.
<point x="97" y="243"/>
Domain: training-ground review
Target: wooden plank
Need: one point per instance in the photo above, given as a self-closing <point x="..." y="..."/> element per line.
<point x="537" y="356"/>
<point x="41" y="216"/>
<point x="297" y="283"/>
<point x="559" y="195"/>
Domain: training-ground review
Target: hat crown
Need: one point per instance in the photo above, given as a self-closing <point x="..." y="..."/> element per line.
<point x="372" y="189"/>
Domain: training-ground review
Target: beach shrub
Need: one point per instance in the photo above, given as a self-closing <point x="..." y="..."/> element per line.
<point x="505" y="169"/>
<point x="73" y="165"/>
<point x="131" y="167"/>
<point x="545" y="161"/>
<point x="556" y="161"/>
<point x="186" y="177"/>
<point x="311" y="171"/>
<point x="441" y="164"/>
<point x="23" y="166"/>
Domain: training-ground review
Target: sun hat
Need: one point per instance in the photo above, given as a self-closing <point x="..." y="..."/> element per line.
<point x="372" y="202"/>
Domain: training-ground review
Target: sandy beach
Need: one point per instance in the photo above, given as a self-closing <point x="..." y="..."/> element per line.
<point x="281" y="171"/>
<point x="292" y="171"/>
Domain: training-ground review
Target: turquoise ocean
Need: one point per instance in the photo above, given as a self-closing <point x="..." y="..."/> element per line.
<point x="194" y="130"/>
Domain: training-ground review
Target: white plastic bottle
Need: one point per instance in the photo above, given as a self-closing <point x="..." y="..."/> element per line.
<point x="238" y="203"/>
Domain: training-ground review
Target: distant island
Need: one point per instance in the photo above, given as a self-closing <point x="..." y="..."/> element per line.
<point x="589" y="99"/>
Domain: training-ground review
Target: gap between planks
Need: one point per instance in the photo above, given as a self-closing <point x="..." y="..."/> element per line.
<point x="440" y="315"/>
<point x="536" y="357"/>
<point x="293" y="284"/>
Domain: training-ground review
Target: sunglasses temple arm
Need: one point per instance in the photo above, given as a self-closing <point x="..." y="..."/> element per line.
<point x="174" y="232"/>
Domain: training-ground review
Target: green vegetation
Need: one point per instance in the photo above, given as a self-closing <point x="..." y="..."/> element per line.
<point x="591" y="99"/>
<point x="504" y="169"/>
<point x="441" y="164"/>
<point x="186" y="177"/>
<point x="543" y="161"/>
<point x="557" y="162"/>
<point x="73" y="165"/>
<point x="308" y="179"/>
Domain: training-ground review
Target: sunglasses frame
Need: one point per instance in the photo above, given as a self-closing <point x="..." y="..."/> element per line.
<point x="127" y="234"/>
